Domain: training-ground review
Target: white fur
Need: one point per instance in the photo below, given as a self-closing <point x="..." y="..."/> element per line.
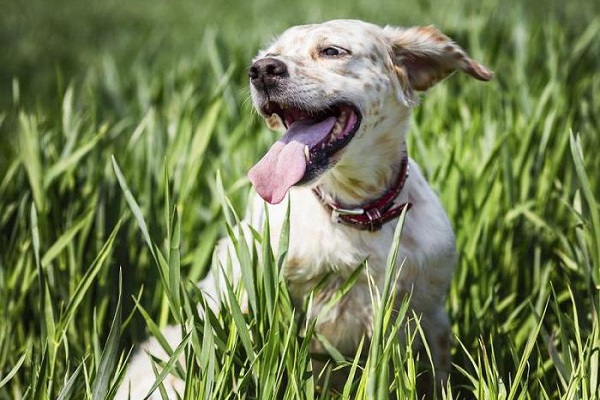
<point x="379" y="77"/>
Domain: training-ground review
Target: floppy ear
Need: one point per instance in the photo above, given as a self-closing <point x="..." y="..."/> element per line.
<point x="423" y="56"/>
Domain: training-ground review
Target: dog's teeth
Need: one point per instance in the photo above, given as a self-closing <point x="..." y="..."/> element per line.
<point x="307" y="153"/>
<point x="337" y="129"/>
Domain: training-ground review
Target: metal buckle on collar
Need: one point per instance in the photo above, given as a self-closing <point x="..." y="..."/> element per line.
<point x="336" y="211"/>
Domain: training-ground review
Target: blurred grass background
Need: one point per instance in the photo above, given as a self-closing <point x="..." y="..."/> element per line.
<point x="162" y="86"/>
<point x="48" y="43"/>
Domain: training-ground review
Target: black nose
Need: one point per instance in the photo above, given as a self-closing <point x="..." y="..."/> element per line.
<point x="266" y="73"/>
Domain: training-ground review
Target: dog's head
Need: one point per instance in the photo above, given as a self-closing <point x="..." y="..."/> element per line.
<point x="343" y="89"/>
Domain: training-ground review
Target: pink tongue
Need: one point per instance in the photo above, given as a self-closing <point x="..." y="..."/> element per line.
<point x="284" y="164"/>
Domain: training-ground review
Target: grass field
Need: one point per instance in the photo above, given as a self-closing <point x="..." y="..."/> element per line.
<point x="125" y="127"/>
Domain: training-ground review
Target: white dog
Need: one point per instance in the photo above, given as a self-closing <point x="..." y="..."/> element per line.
<point x="343" y="91"/>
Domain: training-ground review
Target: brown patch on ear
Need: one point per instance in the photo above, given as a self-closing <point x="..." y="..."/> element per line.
<point x="424" y="72"/>
<point x="404" y="81"/>
<point x="427" y="56"/>
<point x="402" y="77"/>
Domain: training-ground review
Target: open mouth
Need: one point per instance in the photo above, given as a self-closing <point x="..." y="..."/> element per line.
<point x="307" y="148"/>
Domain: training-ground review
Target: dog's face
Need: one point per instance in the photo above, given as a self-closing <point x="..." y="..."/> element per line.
<point x="341" y="89"/>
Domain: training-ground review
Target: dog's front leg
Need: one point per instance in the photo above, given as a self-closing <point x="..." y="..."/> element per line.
<point x="140" y="375"/>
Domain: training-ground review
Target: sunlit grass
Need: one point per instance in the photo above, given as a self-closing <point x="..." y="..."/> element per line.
<point x="114" y="193"/>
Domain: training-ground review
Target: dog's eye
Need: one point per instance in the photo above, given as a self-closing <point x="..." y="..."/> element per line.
<point x="333" y="51"/>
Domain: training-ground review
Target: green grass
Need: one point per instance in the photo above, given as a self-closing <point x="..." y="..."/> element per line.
<point x="124" y="142"/>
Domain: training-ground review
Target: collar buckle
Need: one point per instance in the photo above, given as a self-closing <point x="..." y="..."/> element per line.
<point x="337" y="211"/>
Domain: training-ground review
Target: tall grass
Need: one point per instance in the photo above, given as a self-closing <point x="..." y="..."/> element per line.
<point x="114" y="193"/>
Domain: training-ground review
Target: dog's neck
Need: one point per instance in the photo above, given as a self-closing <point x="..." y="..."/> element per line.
<point x="367" y="174"/>
<point x="372" y="215"/>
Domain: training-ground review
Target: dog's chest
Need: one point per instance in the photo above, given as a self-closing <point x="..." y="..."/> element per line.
<point x="319" y="246"/>
<point x="320" y="285"/>
<point x="323" y="254"/>
<point x="321" y="257"/>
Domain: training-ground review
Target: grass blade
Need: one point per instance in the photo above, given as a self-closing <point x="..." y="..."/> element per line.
<point x="72" y="161"/>
<point x="110" y="353"/>
<point x="198" y="146"/>
<point x="66" y="238"/>
<point x="174" y="267"/>
<point x="29" y="142"/>
<point x="67" y="390"/>
<point x="134" y="207"/>
<point x="10" y="374"/>
<point x="88" y="278"/>
<point x="588" y="195"/>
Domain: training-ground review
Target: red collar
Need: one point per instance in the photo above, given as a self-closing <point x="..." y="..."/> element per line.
<point x="371" y="216"/>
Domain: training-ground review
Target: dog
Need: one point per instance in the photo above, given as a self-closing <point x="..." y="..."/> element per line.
<point x="342" y="91"/>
